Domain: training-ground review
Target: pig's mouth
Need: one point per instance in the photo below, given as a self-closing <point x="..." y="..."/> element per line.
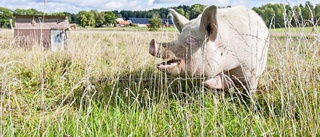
<point x="169" y="64"/>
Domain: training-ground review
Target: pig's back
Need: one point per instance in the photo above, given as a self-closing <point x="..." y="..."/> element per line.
<point x="245" y="33"/>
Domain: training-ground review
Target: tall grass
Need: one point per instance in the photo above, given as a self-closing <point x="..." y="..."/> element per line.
<point x="106" y="84"/>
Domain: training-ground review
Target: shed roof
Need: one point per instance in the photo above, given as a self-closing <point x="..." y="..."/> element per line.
<point x="40" y="16"/>
<point x="38" y="22"/>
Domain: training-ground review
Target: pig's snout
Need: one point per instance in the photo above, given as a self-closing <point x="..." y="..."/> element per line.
<point x="153" y="49"/>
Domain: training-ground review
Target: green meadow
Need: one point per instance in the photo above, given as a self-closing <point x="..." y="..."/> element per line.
<point x="105" y="84"/>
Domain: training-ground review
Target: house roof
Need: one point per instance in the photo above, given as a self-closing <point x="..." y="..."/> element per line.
<point x="124" y="22"/>
<point x="146" y="21"/>
<point x="140" y="20"/>
<point x="164" y="21"/>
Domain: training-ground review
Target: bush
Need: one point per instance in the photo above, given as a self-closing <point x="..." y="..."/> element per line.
<point x="134" y="25"/>
<point x="155" y="23"/>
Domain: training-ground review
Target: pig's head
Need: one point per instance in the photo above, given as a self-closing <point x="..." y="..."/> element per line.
<point x="181" y="57"/>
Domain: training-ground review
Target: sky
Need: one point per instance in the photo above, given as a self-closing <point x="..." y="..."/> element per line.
<point x="73" y="6"/>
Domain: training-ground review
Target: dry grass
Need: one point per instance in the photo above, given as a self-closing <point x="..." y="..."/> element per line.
<point x="105" y="84"/>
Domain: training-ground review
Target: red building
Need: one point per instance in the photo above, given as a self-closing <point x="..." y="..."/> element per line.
<point x="123" y="23"/>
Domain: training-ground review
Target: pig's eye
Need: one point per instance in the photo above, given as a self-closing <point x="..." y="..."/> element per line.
<point x="191" y="41"/>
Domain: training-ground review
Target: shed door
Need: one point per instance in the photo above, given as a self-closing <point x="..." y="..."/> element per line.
<point x="57" y="39"/>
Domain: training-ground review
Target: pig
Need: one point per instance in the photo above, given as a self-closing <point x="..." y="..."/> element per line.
<point x="227" y="47"/>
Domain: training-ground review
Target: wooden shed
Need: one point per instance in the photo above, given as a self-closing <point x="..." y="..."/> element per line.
<point x="54" y="30"/>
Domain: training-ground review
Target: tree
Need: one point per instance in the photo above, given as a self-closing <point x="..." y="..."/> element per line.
<point x="100" y="18"/>
<point x="71" y="16"/>
<point x="82" y="18"/>
<point x="163" y="12"/>
<point x="317" y="13"/>
<point x="308" y="13"/>
<point x="155" y="22"/>
<point x="187" y="15"/>
<point x="58" y="14"/>
<point x="289" y="15"/>
<point x="91" y="18"/>
<point x="110" y="17"/>
<point x="5" y="16"/>
<point x="297" y="17"/>
<point x="274" y="15"/>
<point x="279" y="17"/>
<point x="27" y="12"/>
<point x="196" y="10"/>
<point x="20" y="12"/>
<point x="33" y="12"/>
<point x="124" y="14"/>
<point x="180" y="10"/>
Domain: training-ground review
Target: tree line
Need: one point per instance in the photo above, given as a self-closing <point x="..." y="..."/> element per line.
<point x="280" y="15"/>
<point x="274" y="15"/>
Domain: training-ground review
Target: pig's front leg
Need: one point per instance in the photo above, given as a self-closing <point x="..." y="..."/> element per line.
<point x="220" y="81"/>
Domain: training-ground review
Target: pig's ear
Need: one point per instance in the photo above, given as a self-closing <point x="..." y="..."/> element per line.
<point x="208" y="24"/>
<point x="178" y="19"/>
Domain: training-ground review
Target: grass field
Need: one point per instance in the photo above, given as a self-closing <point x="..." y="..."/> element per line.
<point x="306" y="30"/>
<point x="106" y="84"/>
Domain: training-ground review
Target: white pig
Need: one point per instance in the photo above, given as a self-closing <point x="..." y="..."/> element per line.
<point x="225" y="46"/>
